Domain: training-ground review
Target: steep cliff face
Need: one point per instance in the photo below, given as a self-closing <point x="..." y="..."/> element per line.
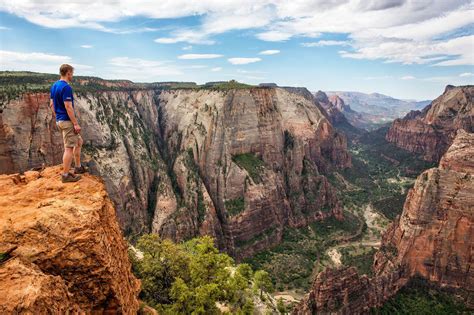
<point x="432" y="239"/>
<point x="431" y="131"/>
<point x="238" y="164"/>
<point x="62" y="249"/>
<point x="254" y="159"/>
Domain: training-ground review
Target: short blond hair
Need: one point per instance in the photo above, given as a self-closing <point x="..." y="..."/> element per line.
<point x="65" y="68"/>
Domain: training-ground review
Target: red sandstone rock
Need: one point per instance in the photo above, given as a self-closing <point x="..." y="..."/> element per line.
<point x="431" y="131"/>
<point x="432" y="239"/>
<point x="67" y="253"/>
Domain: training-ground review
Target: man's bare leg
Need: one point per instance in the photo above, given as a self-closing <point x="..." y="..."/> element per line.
<point x="77" y="153"/>
<point x="67" y="159"/>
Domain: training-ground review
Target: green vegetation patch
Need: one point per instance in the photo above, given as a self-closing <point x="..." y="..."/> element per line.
<point x="418" y="297"/>
<point x="302" y="252"/>
<point x="226" y="85"/>
<point x="235" y="206"/>
<point x="361" y="258"/>
<point x="390" y="207"/>
<point x="252" y="164"/>
<point x="191" y="277"/>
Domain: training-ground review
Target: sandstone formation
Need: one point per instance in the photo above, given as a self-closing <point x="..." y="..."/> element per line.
<point x="432" y="239"/>
<point x="237" y="164"/>
<point x="254" y="159"/>
<point x="62" y="248"/>
<point x="339" y="114"/>
<point x="431" y="131"/>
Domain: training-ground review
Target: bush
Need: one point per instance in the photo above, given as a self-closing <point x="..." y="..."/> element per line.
<point x="189" y="278"/>
<point x="235" y="206"/>
<point x="252" y="164"/>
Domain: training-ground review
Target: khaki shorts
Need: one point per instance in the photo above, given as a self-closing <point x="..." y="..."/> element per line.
<point x="70" y="137"/>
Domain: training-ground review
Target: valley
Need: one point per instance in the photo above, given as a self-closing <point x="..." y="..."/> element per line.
<point x="372" y="193"/>
<point x="280" y="179"/>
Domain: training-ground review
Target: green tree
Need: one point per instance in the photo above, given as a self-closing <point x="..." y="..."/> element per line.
<point x="191" y="277"/>
<point x="281" y="307"/>
<point x="162" y="262"/>
<point x="262" y="282"/>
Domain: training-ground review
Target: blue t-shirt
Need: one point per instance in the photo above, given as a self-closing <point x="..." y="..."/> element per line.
<point x="61" y="92"/>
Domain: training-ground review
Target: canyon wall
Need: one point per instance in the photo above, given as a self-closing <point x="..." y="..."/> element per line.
<point x="432" y="239"/>
<point x="237" y="164"/>
<point x="430" y="132"/>
<point x="61" y="248"/>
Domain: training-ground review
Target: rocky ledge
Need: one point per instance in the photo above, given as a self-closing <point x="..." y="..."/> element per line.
<point x="432" y="239"/>
<point x="61" y="249"/>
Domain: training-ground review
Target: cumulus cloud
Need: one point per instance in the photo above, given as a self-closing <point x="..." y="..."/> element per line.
<point x="38" y="62"/>
<point x="86" y="46"/>
<point x="391" y="30"/>
<point x="199" y="56"/>
<point x="323" y="43"/>
<point x="467" y="74"/>
<point x="243" y="61"/>
<point x="269" y="52"/>
<point x="138" y="69"/>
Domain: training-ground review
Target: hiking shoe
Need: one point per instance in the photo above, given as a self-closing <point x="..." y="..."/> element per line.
<point x="70" y="178"/>
<point x="80" y="170"/>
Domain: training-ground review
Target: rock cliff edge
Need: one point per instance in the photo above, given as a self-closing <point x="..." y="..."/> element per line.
<point x="61" y="247"/>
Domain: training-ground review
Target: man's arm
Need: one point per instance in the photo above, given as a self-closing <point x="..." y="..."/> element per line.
<point x="72" y="116"/>
<point x="51" y="104"/>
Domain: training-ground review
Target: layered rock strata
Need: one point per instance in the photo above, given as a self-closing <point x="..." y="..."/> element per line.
<point x="431" y="131"/>
<point x="237" y="164"/>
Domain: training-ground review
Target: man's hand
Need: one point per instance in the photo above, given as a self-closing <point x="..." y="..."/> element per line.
<point x="77" y="128"/>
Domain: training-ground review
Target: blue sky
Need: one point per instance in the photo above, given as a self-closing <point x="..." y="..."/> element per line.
<point x="403" y="48"/>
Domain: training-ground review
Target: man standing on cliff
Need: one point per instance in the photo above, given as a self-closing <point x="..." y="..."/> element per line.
<point x="62" y="104"/>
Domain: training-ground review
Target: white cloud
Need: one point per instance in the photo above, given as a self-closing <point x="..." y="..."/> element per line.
<point x="269" y="52"/>
<point x="467" y="74"/>
<point x="408" y="77"/>
<point x="404" y="31"/>
<point x="38" y="62"/>
<point x="196" y="67"/>
<point x="199" y="56"/>
<point x="87" y="46"/>
<point x="382" y="77"/>
<point x="243" y="61"/>
<point x="4" y="28"/>
<point x="189" y="47"/>
<point x="141" y="70"/>
<point x="322" y="43"/>
<point x="216" y="69"/>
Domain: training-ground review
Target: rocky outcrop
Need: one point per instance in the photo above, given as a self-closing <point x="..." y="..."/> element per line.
<point x="62" y="249"/>
<point x="339" y="114"/>
<point x="237" y="164"/>
<point x="431" y="131"/>
<point x="432" y="239"/>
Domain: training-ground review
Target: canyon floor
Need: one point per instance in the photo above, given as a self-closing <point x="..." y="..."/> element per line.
<point x="372" y="193"/>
